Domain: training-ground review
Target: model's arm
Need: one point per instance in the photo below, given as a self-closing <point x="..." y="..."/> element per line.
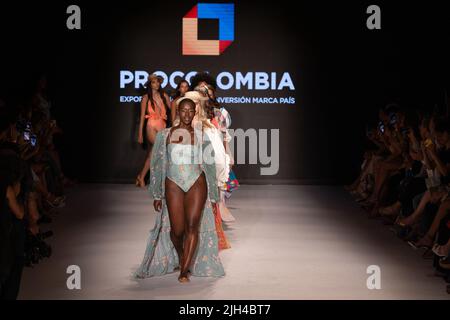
<point x="216" y="167"/>
<point x="166" y="96"/>
<point x="173" y="110"/>
<point x="224" y="126"/>
<point x="142" y="119"/>
<point x="226" y="144"/>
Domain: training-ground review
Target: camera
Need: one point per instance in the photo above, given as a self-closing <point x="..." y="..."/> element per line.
<point x="33" y="140"/>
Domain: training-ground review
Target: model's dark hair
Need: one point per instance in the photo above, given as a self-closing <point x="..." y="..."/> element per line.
<point x="177" y="90"/>
<point x="213" y="100"/>
<point x="203" y="76"/>
<point x="187" y="100"/>
<point x="150" y="95"/>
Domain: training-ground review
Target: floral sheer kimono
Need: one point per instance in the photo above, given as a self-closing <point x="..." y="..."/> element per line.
<point x="160" y="255"/>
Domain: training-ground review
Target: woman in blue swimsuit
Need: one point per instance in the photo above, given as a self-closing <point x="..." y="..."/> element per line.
<point x="183" y="184"/>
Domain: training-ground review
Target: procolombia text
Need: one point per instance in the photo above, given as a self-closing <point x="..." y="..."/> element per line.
<point x="230" y="100"/>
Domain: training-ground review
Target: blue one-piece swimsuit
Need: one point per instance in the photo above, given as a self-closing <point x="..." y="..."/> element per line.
<point x="184" y="167"/>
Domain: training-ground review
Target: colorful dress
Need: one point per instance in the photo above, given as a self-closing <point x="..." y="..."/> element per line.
<point x="222" y="121"/>
<point x="223" y="241"/>
<point x="160" y="255"/>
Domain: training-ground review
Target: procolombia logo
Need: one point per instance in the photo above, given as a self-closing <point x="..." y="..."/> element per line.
<point x="224" y="12"/>
<point x="274" y="82"/>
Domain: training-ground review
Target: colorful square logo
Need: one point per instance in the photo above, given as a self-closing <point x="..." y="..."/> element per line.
<point x="224" y="12"/>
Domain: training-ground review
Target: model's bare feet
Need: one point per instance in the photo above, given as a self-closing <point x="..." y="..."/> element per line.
<point x="184" y="277"/>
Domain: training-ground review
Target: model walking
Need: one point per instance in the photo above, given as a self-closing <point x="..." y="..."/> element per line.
<point x="183" y="183"/>
<point x="154" y="106"/>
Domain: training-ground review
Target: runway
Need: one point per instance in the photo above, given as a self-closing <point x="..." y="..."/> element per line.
<point x="288" y="242"/>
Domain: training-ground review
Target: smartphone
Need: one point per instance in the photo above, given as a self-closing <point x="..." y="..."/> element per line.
<point x="26" y="132"/>
<point x="26" y="135"/>
<point x="33" y="140"/>
<point x="381" y="127"/>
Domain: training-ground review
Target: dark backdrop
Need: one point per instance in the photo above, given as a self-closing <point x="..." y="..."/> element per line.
<point x="342" y="72"/>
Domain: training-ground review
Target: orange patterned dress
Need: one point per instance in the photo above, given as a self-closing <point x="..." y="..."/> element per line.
<point x="156" y="117"/>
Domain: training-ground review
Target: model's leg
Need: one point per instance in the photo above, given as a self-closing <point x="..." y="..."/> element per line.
<point x="175" y="206"/>
<point x="194" y="202"/>
<point x="151" y="136"/>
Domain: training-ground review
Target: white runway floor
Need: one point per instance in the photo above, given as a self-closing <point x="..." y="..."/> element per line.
<point x="289" y="242"/>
